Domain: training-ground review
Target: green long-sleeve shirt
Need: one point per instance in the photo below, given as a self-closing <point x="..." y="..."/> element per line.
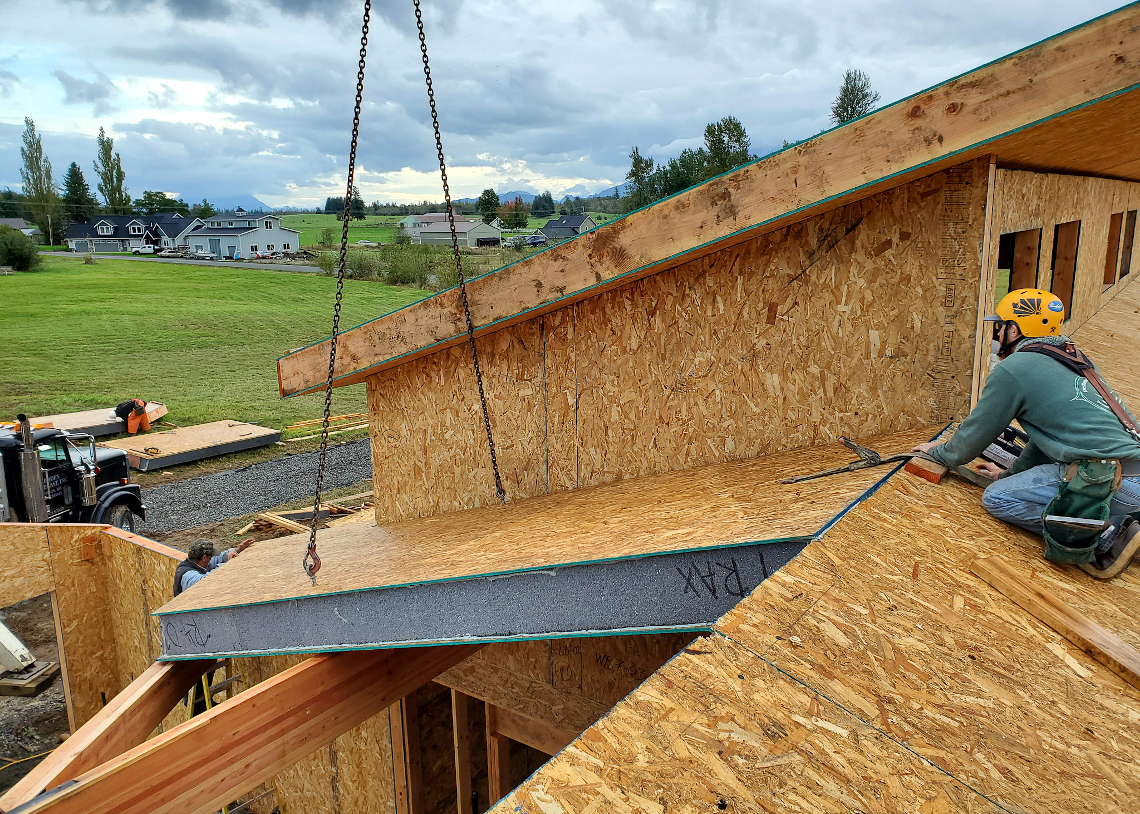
<point x="1064" y="416"/>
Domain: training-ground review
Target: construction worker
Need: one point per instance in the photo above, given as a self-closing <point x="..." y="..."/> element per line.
<point x="201" y="560"/>
<point x="133" y="412"/>
<point x="1081" y="445"/>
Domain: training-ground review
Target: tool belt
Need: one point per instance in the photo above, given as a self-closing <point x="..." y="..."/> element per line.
<point x="1086" y="491"/>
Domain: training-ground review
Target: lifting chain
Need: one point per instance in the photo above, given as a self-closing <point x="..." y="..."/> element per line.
<point x="499" y="492"/>
<point x="311" y="562"/>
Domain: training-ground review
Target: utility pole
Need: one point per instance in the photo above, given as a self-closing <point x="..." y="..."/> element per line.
<point x="51" y="241"/>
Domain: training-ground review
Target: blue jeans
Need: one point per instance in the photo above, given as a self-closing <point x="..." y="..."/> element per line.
<point x="1021" y="499"/>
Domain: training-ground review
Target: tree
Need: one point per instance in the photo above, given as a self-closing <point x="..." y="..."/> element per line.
<point x="39" y="187"/>
<point x="334" y="205"/>
<point x="402" y="236"/>
<point x="203" y="210"/>
<point x="356" y="205"/>
<point x="109" y="168"/>
<point x="515" y="215"/>
<point x="328" y="235"/>
<point x="855" y="97"/>
<point x="17" y="249"/>
<point x="488" y="205"/>
<point x="640" y="177"/>
<point x="727" y="144"/>
<point x="13" y="205"/>
<point x="79" y="205"/>
<point x="543" y="205"/>
<point x="154" y="202"/>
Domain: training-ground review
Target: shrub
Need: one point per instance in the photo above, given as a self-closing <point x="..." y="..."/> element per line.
<point x="327" y="262"/>
<point x="17" y="250"/>
<point x="89" y="259"/>
<point x="327" y="237"/>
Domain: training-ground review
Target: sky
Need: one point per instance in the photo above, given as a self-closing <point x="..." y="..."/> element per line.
<point x="216" y="98"/>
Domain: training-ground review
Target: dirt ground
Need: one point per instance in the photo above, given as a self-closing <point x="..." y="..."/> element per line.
<point x="30" y="726"/>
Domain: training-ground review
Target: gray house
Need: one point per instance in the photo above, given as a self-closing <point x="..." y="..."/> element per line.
<point x="568" y="226"/>
<point x="29" y="229"/>
<point x="414" y="221"/>
<point x="241" y="234"/>
<point x="121" y="233"/>
<point x="471" y="233"/>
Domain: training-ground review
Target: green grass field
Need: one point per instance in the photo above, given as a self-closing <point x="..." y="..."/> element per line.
<point x="378" y="228"/>
<point x="204" y="340"/>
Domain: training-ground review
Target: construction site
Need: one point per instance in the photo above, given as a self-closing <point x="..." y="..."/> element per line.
<point x="653" y="619"/>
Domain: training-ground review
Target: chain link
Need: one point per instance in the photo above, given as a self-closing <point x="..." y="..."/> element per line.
<point x="500" y="493"/>
<point x="311" y="562"/>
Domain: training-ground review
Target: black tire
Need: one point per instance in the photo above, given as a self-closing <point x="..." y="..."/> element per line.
<point x="121" y="517"/>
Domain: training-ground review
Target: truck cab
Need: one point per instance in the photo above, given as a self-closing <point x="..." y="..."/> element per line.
<point x="80" y="483"/>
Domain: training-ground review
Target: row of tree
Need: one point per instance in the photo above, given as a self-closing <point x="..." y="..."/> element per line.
<point x="52" y="207"/>
<point x="727" y="146"/>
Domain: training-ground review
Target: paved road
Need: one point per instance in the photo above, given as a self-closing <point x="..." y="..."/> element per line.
<point x="180" y="261"/>
<point x="253" y="488"/>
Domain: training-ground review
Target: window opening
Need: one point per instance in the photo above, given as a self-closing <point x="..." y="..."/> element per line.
<point x="1126" y="249"/>
<point x="1018" y="254"/>
<point x="1066" y="238"/>
<point x="1112" y="255"/>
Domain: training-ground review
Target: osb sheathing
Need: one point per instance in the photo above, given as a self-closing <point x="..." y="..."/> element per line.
<point x="26" y="546"/>
<point x="876" y="673"/>
<point x="854" y="322"/>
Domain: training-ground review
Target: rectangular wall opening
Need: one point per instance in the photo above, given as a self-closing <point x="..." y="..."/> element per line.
<point x="1126" y="248"/>
<point x="1112" y="255"/>
<point x="1018" y="254"/>
<point x="1066" y="239"/>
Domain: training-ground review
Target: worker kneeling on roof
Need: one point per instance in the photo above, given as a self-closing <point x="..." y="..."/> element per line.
<point x="201" y="560"/>
<point x="1077" y="482"/>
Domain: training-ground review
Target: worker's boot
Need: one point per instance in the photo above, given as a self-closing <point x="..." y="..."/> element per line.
<point x="1118" y="554"/>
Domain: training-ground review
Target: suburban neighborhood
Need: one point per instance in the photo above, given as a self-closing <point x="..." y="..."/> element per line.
<point x="654" y="408"/>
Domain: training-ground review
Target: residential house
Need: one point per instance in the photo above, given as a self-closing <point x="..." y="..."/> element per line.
<point x="240" y="233"/>
<point x="20" y="225"/>
<point x="415" y="221"/>
<point x="122" y="233"/>
<point x="471" y="233"/>
<point x="567" y="226"/>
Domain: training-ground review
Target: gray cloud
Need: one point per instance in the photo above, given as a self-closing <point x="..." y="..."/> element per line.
<point x="82" y="91"/>
<point x="7" y="81"/>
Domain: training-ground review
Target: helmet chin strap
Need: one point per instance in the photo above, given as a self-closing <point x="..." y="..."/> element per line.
<point x="1007" y="347"/>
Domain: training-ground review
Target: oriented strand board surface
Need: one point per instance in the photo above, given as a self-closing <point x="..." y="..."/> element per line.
<point x="199" y="441"/>
<point x="726" y="504"/>
<point x="931" y="691"/>
<point x="857" y="322"/>
<point x="1112" y="338"/>
<point x="963" y="118"/>
<point x="27" y="571"/>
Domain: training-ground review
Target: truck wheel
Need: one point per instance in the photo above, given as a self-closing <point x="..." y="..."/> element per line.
<point x="121" y="517"/>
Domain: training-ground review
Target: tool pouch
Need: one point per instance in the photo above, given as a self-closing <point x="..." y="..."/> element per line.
<point x="1086" y="491"/>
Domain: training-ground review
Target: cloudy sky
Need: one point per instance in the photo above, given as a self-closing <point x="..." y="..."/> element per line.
<point x="212" y="98"/>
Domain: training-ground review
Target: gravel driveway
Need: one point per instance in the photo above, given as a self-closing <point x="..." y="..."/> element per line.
<point x="254" y="488"/>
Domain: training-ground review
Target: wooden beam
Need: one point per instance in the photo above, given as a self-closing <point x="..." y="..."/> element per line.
<point x="125" y="722"/>
<point x="985" y="293"/>
<point x="1103" y="645"/>
<point x="399" y="756"/>
<point x="63" y="674"/>
<point x="462" y="741"/>
<point x="283" y="522"/>
<point x="201" y="765"/>
<point x="523" y="695"/>
<point x="538" y="735"/>
<point x="410" y="710"/>
<point x="959" y="120"/>
<point x="498" y="758"/>
<point x="927" y="470"/>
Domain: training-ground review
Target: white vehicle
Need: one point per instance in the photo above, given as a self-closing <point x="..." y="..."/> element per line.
<point x="203" y="255"/>
<point x="144" y="250"/>
<point x="170" y="253"/>
<point x="366" y="243"/>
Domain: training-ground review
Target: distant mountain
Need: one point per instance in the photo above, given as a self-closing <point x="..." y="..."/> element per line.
<point x="505" y="197"/>
<point x="247" y="202"/>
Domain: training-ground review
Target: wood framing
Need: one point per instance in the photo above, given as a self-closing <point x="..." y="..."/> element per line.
<point x="1103" y="645"/>
<point x="538" y="735"/>
<point x="498" y="757"/>
<point x="1014" y="107"/>
<point x="246" y="740"/>
<point x="462" y="748"/>
<point x="127" y="720"/>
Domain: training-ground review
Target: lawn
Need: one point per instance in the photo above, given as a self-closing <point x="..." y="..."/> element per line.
<point x="204" y="340"/>
<point x="377" y="228"/>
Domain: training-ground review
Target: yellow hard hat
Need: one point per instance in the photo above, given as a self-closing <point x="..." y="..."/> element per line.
<point x="1035" y="312"/>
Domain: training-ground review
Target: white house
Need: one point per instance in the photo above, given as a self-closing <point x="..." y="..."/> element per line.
<point x="240" y="234"/>
<point x="29" y="229"/>
<point x="471" y="233"/>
